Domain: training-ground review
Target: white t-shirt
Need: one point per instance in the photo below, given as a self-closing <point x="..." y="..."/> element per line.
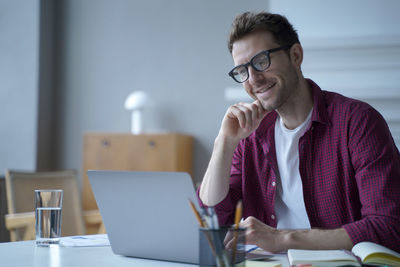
<point x="289" y="202"/>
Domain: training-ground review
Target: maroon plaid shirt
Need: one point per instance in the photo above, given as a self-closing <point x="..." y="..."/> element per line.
<point x="349" y="166"/>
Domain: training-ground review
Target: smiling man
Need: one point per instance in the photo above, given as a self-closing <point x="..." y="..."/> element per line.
<point x="313" y="168"/>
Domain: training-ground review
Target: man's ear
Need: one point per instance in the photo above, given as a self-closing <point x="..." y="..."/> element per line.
<point x="296" y="55"/>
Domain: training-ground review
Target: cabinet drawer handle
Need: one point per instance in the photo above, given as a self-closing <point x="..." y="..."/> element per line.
<point x="152" y="144"/>
<point x="105" y="143"/>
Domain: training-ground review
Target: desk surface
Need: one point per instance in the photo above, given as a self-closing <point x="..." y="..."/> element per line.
<point x="25" y="253"/>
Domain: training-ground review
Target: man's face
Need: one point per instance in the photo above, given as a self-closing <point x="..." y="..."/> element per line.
<point x="274" y="86"/>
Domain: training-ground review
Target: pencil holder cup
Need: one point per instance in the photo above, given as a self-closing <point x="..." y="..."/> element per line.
<point x="222" y="247"/>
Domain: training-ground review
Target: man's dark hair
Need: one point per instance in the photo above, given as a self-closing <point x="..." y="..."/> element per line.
<point x="249" y="22"/>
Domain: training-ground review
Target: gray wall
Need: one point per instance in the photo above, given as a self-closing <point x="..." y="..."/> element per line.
<point x="19" y="70"/>
<point x="174" y="50"/>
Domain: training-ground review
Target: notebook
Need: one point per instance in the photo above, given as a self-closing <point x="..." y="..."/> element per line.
<point x="367" y="253"/>
<point x="147" y="214"/>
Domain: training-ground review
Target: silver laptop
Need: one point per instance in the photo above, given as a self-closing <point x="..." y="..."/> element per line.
<point x="147" y="214"/>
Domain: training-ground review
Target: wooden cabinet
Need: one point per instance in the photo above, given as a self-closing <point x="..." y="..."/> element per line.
<point x="144" y="152"/>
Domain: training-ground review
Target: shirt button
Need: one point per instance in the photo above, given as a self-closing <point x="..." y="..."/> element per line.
<point x="273" y="183"/>
<point x="273" y="217"/>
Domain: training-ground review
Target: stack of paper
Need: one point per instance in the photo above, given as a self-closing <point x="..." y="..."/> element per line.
<point x="85" y="241"/>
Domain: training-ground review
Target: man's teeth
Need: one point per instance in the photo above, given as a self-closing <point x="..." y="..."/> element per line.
<point x="265" y="89"/>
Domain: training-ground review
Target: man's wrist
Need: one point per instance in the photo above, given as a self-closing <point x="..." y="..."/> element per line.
<point x="226" y="141"/>
<point x="287" y="239"/>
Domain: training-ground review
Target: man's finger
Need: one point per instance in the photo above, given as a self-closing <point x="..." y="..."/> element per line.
<point x="247" y="113"/>
<point x="239" y="115"/>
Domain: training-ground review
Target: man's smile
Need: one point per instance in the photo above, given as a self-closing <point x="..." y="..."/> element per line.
<point x="264" y="89"/>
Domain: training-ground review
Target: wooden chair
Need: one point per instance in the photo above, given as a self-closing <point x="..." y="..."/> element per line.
<point x="20" y="186"/>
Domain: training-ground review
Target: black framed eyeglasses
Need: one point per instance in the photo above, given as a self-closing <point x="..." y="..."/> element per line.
<point x="259" y="62"/>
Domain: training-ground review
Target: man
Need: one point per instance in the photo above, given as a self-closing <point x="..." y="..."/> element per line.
<point x="314" y="169"/>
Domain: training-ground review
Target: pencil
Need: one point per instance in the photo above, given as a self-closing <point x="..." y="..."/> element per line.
<point x="203" y="225"/>
<point x="196" y="213"/>
<point x="238" y="216"/>
<point x="238" y="213"/>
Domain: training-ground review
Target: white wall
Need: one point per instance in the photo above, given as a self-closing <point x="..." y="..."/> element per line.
<point x="106" y="49"/>
<point x="340" y="18"/>
<point x="174" y="50"/>
<point x="19" y="51"/>
<point x="352" y="47"/>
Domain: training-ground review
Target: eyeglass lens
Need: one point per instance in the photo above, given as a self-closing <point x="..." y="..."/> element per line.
<point x="259" y="62"/>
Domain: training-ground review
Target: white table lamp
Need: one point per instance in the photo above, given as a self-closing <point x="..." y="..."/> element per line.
<point x="136" y="102"/>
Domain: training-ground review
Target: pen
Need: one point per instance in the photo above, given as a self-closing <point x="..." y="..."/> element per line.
<point x="205" y="218"/>
<point x="221" y="256"/>
<point x="252" y="249"/>
<point x="238" y="216"/>
<point x="213" y="218"/>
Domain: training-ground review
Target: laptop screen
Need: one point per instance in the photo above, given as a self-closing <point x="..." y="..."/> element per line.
<point x="147" y="214"/>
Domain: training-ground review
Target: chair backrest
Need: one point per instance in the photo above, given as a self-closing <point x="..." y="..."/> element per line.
<point x="20" y="188"/>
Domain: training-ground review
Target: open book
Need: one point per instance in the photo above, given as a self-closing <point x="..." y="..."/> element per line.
<point x="367" y="253"/>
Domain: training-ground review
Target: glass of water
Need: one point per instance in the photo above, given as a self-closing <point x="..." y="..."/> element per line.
<point x="48" y="208"/>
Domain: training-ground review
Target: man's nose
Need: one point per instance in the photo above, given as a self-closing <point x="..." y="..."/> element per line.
<point x="254" y="75"/>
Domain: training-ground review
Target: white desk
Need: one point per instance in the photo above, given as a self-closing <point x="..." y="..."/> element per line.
<point x="26" y="254"/>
